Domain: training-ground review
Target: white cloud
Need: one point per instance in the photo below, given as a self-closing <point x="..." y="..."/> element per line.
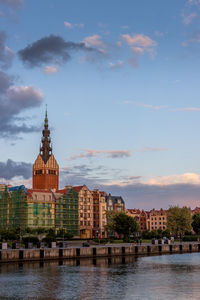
<point x="50" y="69"/>
<point x="125" y="27"/>
<point x="71" y="26"/>
<point x="153" y="107"/>
<point x="164" y="107"/>
<point x="158" y="33"/>
<point x="127" y="102"/>
<point x="117" y="65"/>
<point x="151" y="149"/>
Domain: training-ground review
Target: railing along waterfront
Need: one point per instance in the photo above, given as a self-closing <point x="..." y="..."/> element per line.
<point x="13" y="255"/>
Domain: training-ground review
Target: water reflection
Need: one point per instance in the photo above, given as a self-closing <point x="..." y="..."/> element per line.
<point x="157" y="277"/>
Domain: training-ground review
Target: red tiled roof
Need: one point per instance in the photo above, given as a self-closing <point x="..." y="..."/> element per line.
<point x="61" y="191"/>
<point x="78" y="188"/>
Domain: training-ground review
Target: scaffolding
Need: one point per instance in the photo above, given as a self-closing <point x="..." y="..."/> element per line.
<point x="13" y="208"/>
<point x="19" y="209"/>
<point x="67" y="216"/>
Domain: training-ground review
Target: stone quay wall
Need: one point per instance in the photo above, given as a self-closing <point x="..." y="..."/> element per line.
<point x="12" y="255"/>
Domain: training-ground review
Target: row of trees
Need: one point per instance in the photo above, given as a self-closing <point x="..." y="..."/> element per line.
<point x="179" y="222"/>
<point x="46" y="235"/>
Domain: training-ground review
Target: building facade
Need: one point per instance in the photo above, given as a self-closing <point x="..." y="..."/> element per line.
<point x="85" y="211"/>
<point x="115" y="203"/>
<point x="99" y="214"/>
<point x="67" y="211"/>
<point x="158" y="219"/>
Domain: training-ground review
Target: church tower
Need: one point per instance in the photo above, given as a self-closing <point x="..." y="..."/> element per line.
<point x="45" y="168"/>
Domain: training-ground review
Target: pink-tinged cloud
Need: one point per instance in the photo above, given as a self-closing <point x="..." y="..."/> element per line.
<point x="139" y="44"/>
<point x="50" y="69"/>
<point x="188" y="109"/>
<point x="158" y="192"/>
<point x="138" y="50"/>
<point x="89" y="153"/>
<point x="20" y="94"/>
<point x="94" y="40"/>
<point x="186" y="178"/>
<point x="139" y="40"/>
<point x="194" y="2"/>
<point x="187" y="20"/>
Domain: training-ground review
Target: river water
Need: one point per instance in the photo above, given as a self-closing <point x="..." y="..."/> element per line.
<point x="152" y="277"/>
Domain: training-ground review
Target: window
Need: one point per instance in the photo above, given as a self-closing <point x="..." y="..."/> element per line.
<point x="88" y="223"/>
<point x="81" y="223"/>
<point x="88" y="206"/>
<point x="35" y="197"/>
<point x="88" y="215"/>
<point x="44" y="197"/>
<point x="81" y="215"/>
<point x="49" y="197"/>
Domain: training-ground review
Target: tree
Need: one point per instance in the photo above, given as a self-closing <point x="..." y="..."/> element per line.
<point x="179" y="220"/>
<point x="122" y="224"/>
<point x="196" y="223"/>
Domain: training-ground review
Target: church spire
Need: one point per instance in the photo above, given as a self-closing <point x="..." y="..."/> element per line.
<point x="46" y="149"/>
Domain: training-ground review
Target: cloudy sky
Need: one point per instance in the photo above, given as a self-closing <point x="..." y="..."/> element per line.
<point x="122" y="85"/>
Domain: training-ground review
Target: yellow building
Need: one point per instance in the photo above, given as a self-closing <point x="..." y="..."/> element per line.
<point x="85" y="211"/>
<point x="158" y="219"/>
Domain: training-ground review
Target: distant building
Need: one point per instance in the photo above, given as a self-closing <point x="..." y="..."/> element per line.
<point x="45" y="168"/>
<point x="115" y="203"/>
<point x="13" y="208"/>
<point x="67" y="211"/>
<point x="85" y="210"/>
<point x="99" y="214"/>
<point x="158" y="219"/>
<point x="41" y="209"/>
<point x="140" y="216"/>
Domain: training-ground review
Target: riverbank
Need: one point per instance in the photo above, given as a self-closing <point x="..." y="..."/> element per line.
<point x="16" y="255"/>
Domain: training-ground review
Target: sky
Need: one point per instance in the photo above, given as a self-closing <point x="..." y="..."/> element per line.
<point x="121" y="83"/>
